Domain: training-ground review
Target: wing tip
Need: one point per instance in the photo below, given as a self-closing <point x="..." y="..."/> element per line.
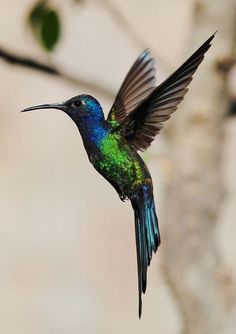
<point x="145" y="53"/>
<point x="208" y="41"/>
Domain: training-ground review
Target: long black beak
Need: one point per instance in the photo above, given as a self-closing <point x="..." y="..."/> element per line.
<point x="59" y="106"/>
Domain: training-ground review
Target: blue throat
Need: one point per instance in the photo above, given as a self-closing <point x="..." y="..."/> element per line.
<point x="92" y="132"/>
<point x="90" y="121"/>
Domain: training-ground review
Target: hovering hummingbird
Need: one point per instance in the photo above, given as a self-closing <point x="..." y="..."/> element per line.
<point x="112" y="145"/>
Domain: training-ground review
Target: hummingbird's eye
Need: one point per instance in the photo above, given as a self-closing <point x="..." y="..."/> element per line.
<point x="77" y="103"/>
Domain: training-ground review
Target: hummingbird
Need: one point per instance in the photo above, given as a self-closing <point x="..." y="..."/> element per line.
<point x="112" y="144"/>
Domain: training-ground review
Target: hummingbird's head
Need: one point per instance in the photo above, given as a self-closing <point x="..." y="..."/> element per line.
<point x="80" y="107"/>
<point x="83" y="107"/>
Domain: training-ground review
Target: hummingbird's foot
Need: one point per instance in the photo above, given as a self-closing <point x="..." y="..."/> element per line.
<point x="123" y="197"/>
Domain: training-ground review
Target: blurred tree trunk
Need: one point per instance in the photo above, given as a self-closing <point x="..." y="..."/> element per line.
<point x="192" y="264"/>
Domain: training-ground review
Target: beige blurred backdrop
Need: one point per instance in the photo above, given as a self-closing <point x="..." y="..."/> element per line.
<point x="67" y="244"/>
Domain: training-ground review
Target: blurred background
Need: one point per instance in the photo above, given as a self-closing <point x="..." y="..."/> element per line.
<point x="68" y="262"/>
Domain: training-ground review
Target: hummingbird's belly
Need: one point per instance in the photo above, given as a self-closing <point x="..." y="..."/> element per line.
<point x="121" y="165"/>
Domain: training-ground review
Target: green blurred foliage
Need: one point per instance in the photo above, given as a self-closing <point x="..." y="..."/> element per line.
<point x="45" y="24"/>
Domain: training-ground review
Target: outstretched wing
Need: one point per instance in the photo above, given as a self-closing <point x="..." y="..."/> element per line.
<point x="137" y="85"/>
<point x="142" y="125"/>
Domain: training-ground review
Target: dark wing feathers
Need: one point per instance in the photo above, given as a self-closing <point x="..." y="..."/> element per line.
<point x="142" y="124"/>
<point x="137" y="85"/>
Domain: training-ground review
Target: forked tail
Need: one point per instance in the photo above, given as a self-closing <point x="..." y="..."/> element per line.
<point x="147" y="234"/>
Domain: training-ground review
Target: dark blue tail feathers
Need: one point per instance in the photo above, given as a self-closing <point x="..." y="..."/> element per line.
<point x="147" y="234"/>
